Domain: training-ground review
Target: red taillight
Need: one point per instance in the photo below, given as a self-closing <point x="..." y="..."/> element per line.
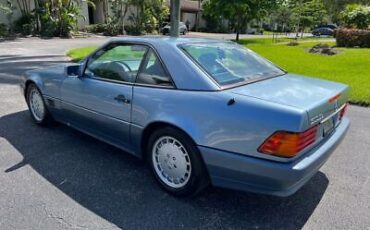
<point x="333" y="99"/>
<point x="288" y="144"/>
<point x="343" y="111"/>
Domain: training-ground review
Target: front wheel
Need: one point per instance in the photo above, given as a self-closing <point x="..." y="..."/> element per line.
<point x="176" y="162"/>
<point x="37" y="107"/>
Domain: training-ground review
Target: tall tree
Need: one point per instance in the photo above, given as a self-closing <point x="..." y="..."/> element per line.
<point x="307" y="13"/>
<point x="240" y="12"/>
<point x="282" y="16"/>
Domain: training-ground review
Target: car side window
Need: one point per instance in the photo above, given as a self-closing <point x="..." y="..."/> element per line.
<point x="117" y="62"/>
<point x="152" y="72"/>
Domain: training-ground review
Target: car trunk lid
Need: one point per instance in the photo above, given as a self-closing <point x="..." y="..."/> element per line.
<point x="320" y="98"/>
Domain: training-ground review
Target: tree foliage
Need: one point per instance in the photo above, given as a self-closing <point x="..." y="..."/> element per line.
<point x="238" y="12"/>
<point x="58" y="17"/>
<point x="334" y="7"/>
<point x="307" y="13"/>
<point x="282" y="16"/>
<point x="144" y="15"/>
<point x="149" y="14"/>
<point x="356" y="15"/>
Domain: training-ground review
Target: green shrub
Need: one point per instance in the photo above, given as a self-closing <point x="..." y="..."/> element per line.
<point x="3" y="30"/>
<point x="353" y="38"/>
<point x="356" y="16"/>
<point x="58" y="18"/>
<point x="27" y="29"/>
<point x="111" y="29"/>
<point x="49" y="29"/>
<point x="133" y="30"/>
<point x="24" y="24"/>
<point x="96" y="28"/>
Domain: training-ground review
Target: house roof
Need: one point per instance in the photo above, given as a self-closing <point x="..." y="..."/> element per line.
<point x="188" y="6"/>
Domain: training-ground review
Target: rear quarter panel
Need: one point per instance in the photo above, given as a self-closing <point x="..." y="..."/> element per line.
<point x="210" y="122"/>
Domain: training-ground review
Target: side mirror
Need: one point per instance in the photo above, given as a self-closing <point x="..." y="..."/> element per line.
<point x="74" y="70"/>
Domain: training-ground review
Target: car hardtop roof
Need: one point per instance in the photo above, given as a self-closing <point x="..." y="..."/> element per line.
<point x="158" y="40"/>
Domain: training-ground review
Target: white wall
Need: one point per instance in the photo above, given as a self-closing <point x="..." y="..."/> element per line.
<point x="16" y="14"/>
<point x="84" y="20"/>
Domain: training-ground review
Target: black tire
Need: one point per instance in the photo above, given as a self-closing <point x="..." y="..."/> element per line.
<point x="199" y="178"/>
<point x="47" y="118"/>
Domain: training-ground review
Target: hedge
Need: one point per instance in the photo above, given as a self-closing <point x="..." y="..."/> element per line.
<point x="111" y="29"/>
<point x="3" y="30"/>
<point x="353" y="38"/>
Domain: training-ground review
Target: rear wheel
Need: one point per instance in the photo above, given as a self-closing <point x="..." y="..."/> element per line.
<point x="176" y="163"/>
<point x="37" y="107"/>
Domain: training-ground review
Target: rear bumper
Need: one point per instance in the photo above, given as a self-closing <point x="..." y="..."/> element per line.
<point x="251" y="174"/>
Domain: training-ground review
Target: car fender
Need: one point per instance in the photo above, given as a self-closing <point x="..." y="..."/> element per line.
<point x="48" y="80"/>
<point x="33" y="78"/>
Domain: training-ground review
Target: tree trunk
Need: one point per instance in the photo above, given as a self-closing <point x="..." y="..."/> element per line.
<point x="38" y="23"/>
<point x="124" y="8"/>
<point x="237" y="29"/>
<point x="105" y="11"/>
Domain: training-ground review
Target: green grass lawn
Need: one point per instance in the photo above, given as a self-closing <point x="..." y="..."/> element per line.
<point x="351" y="66"/>
<point x="78" y="54"/>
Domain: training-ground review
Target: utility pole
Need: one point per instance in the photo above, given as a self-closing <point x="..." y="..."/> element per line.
<point x="175" y="18"/>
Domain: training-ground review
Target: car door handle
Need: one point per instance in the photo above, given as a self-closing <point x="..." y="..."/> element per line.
<point x="122" y="98"/>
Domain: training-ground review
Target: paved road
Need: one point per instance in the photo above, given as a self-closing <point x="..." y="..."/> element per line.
<point x="58" y="178"/>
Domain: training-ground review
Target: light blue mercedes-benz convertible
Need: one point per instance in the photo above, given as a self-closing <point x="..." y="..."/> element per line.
<point x="200" y="111"/>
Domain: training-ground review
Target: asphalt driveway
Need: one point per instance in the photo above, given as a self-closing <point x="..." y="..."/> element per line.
<point x="58" y="178"/>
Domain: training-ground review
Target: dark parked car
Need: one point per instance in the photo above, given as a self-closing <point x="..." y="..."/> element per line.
<point x="331" y="26"/>
<point x="323" y="31"/>
<point x="167" y="27"/>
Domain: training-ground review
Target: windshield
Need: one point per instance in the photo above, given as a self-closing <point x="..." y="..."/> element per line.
<point x="229" y="63"/>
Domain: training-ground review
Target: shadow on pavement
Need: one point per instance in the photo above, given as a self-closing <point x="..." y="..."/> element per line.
<point x="120" y="188"/>
<point x="12" y="38"/>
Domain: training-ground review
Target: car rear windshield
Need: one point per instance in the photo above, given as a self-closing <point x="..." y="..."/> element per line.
<point x="229" y="63"/>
